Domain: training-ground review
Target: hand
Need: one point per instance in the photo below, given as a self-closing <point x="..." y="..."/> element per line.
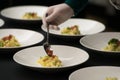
<point x="58" y="14"/>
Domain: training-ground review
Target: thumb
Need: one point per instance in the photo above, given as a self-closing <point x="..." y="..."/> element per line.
<point x="44" y="19"/>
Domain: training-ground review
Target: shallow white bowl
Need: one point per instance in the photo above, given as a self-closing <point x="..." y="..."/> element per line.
<point x="95" y="73"/>
<point x="70" y="57"/>
<point x="98" y="41"/>
<point x="86" y="27"/>
<point x="1" y="22"/>
<point x="17" y="12"/>
<point x="25" y="37"/>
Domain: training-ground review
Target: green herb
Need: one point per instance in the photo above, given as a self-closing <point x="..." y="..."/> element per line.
<point x="113" y="41"/>
<point x="1" y="44"/>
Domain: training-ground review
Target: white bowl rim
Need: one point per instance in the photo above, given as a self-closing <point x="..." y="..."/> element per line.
<point x="113" y="52"/>
<point x="87" y="57"/>
<point x="21" y="6"/>
<point x="90" y="67"/>
<point x="1" y="22"/>
<point x="20" y="30"/>
<point x="102" y="29"/>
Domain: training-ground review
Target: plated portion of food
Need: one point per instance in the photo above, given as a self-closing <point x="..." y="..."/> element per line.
<point x="98" y="73"/>
<point x="73" y="30"/>
<point x="76" y="27"/>
<point x="113" y="45"/>
<point x="18" y="38"/>
<point x="111" y="78"/>
<point x="31" y="16"/>
<point x="9" y="41"/>
<point x="27" y="12"/>
<point x="50" y="61"/>
<point x="102" y="42"/>
<point x="64" y="58"/>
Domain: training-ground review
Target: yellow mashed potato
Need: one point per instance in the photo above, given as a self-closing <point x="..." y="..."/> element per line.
<point x="111" y="78"/>
<point x="113" y="45"/>
<point x="31" y="15"/>
<point x="9" y="41"/>
<point x="50" y="61"/>
<point x="74" y="30"/>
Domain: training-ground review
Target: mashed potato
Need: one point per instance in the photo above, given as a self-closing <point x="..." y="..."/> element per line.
<point x="74" y="30"/>
<point x="31" y="15"/>
<point x="111" y="78"/>
<point x="113" y="45"/>
<point x="9" y="41"/>
<point x="50" y="61"/>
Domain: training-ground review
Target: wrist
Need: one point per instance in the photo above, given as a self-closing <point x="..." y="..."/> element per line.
<point x="69" y="8"/>
<point x="76" y="5"/>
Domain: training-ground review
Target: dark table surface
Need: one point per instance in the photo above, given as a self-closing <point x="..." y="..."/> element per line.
<point x="10" y="70"/>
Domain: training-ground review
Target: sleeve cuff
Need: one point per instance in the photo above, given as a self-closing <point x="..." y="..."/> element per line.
<point x="76" y="5"/>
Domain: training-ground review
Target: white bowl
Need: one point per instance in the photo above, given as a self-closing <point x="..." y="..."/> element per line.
<point x="70" y="57"/>
<point x="17" y="12"/>
<point x="96" y="73"/>
<point x="25" y="37"/>
<point x="1" y="22"/>
<point x="97" y="42"/>
<point x="86" y="27"/>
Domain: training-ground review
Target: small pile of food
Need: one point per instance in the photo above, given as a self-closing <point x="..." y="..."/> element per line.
<point x="31" y="15"/>
<point x="73" y="30"/>
<point x="9" y="41"/>
<point x="113" y="45"/>
<point x="50" y="60"/>
<point x="111" y="78"/>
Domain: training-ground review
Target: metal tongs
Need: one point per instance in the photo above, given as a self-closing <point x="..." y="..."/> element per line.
<point x="46" y="45"/>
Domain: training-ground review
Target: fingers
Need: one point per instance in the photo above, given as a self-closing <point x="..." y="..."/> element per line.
<point x="48" y="18"/>
<point x="44" y="20"/>
<point x="48" y="12"/>
<point x="58" y="14"/>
